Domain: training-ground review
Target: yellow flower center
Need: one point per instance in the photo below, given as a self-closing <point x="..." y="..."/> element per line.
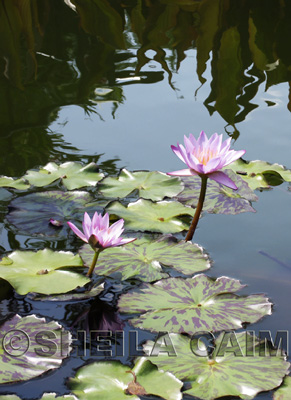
<point x="205" y="155"/>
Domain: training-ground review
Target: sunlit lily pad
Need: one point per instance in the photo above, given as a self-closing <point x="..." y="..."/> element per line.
<point x="30" y="347"/>
<point x="144" y="215"/>
<point x="115" y="381"/>
<point x="259" y="174"/>
<point x="192" y="305"/>
<point x="150" y="185"/>
<point x="219" y="198"/>
<point x="29" y="271"/>
<point x="284" y="392"/>
<point x="143" y="259"/>
<point x="72" y="174"/>
<point x="6" y="181"/>
<point x="47" y="213"/>
<point x="239" y="371"/>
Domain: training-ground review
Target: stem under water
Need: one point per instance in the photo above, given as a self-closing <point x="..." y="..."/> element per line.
<point x="94" y="261"/>
<point x="198" y="208"/>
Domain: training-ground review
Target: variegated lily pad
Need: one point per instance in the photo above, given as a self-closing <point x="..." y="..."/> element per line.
<point x="219" y="198"/>
<point x="143" y="259"/>
<point x="47" y="213"/>
<point x="192" y="305"/>
<point x="236" y="371"/>
<point x="72" y="174"/>
<point x="40" y="272"/>
<point x="115" y="381"/>
<point x="284" y="392"/>
<point x="6" y="181"/>
<point x="258" y="174"/>
<point x="144" y="215"/>
<point x="30" y="347"/>
<point x="150" y="185"/>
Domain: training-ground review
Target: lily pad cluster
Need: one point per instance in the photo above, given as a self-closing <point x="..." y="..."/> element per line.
<point x="157" y="274"/>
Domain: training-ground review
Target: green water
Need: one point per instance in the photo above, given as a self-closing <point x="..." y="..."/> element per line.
<point x="118" y="82"/>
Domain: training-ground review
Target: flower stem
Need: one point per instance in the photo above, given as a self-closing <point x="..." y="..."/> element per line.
<point x="95" y="258"/>
<point x="198" y="208"/>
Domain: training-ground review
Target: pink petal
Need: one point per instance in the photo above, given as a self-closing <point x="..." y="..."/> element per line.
<point x="77" y="232"/>
<point x="183" y="172"/>
<point x="116" y="229"/>
<point x="87" y="225"/>
<point x="124" y="241"/>
<point x="178" y="152"/>
<point x="233" y="155"/>
<point x="221" y="177"/>
<point x="105" y="222"/>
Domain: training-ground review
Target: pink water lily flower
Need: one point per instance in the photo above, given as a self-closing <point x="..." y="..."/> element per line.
<point x="99" y="234"/>
<point x="206" y="157"/>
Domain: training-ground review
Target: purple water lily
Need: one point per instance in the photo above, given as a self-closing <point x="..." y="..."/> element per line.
<point x="206" y="157"/>
<point x="100" y="235"/>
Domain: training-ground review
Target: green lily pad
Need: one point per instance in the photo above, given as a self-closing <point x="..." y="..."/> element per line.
<point x="219" y="198"/>
<point x="239" y="371"/>
<point x="6" y="181"/>
<point x="29" y="271"/>
<point x="72" y="174"/>
<point x="284" y="392"/>
<point x="150" y="185"/>
<point x="144" y="215"/>
<point x="30" y="347"/>
<point x="258" y="174"/>
<point x="113" y="380"/>
<point x="143" y="259"/>
<point x="192" y="305"/>
<point x="47" y="213"/>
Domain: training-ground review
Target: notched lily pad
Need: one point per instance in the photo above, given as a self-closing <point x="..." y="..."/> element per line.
<point x="238" y="370"/>
<point x="192" y="305"/>
<point x="40" y="272"/>
<point x="144" y="215"/>
<point x="219" y="198"/>
<point x="143" y="259"/>
<point x="47" y="213"/>
<point x="30" y="347"/>
<point x="260" y="174"/>
<point x="72" y="174"/>
<point x="20" y="184"/>
<point x="113" y="380"/>
<point x="284" y="392"/>
<point x="152" y="185"/>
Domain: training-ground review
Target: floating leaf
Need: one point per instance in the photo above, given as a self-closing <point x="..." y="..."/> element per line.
<point x="29" y="271"/>
<point x="238" y="371"/>
<point x="6" y="181"/>
<point x="30" y="347"/>
<point x="219" y="198"/>
<point x="284" y="392"/>
<point x="143" y="259"/>
<point x="113" y="380"/>
<point x="258" y="173"/>
<point x="151" y="185"/>
<point x="34" y="212"/>
<point x="192" y="305"/>
<point x="72" y="174"/>
<point x="144" y="215"/>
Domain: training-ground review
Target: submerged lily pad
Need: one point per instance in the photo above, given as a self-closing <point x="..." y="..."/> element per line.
<point x="47" y="213"/>
<point x="29" y="271"/>
<point x="72" y="174"/>
<point x="284" y="392"/>
<point x="150" y="185"/>
<point x="219" y="198"/>
<point x="239" y="371"/>
<point x="115" y="381"/>
<point x="144" y="215"/>
<point x="30" y="347"/>
<point x="192" y="305"/>
<point x="143" y="259"/>
<point x="259" y="174"/>
<point x="6" y="181"/>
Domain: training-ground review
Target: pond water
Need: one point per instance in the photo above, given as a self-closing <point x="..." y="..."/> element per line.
<point x="118" y="83"/>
